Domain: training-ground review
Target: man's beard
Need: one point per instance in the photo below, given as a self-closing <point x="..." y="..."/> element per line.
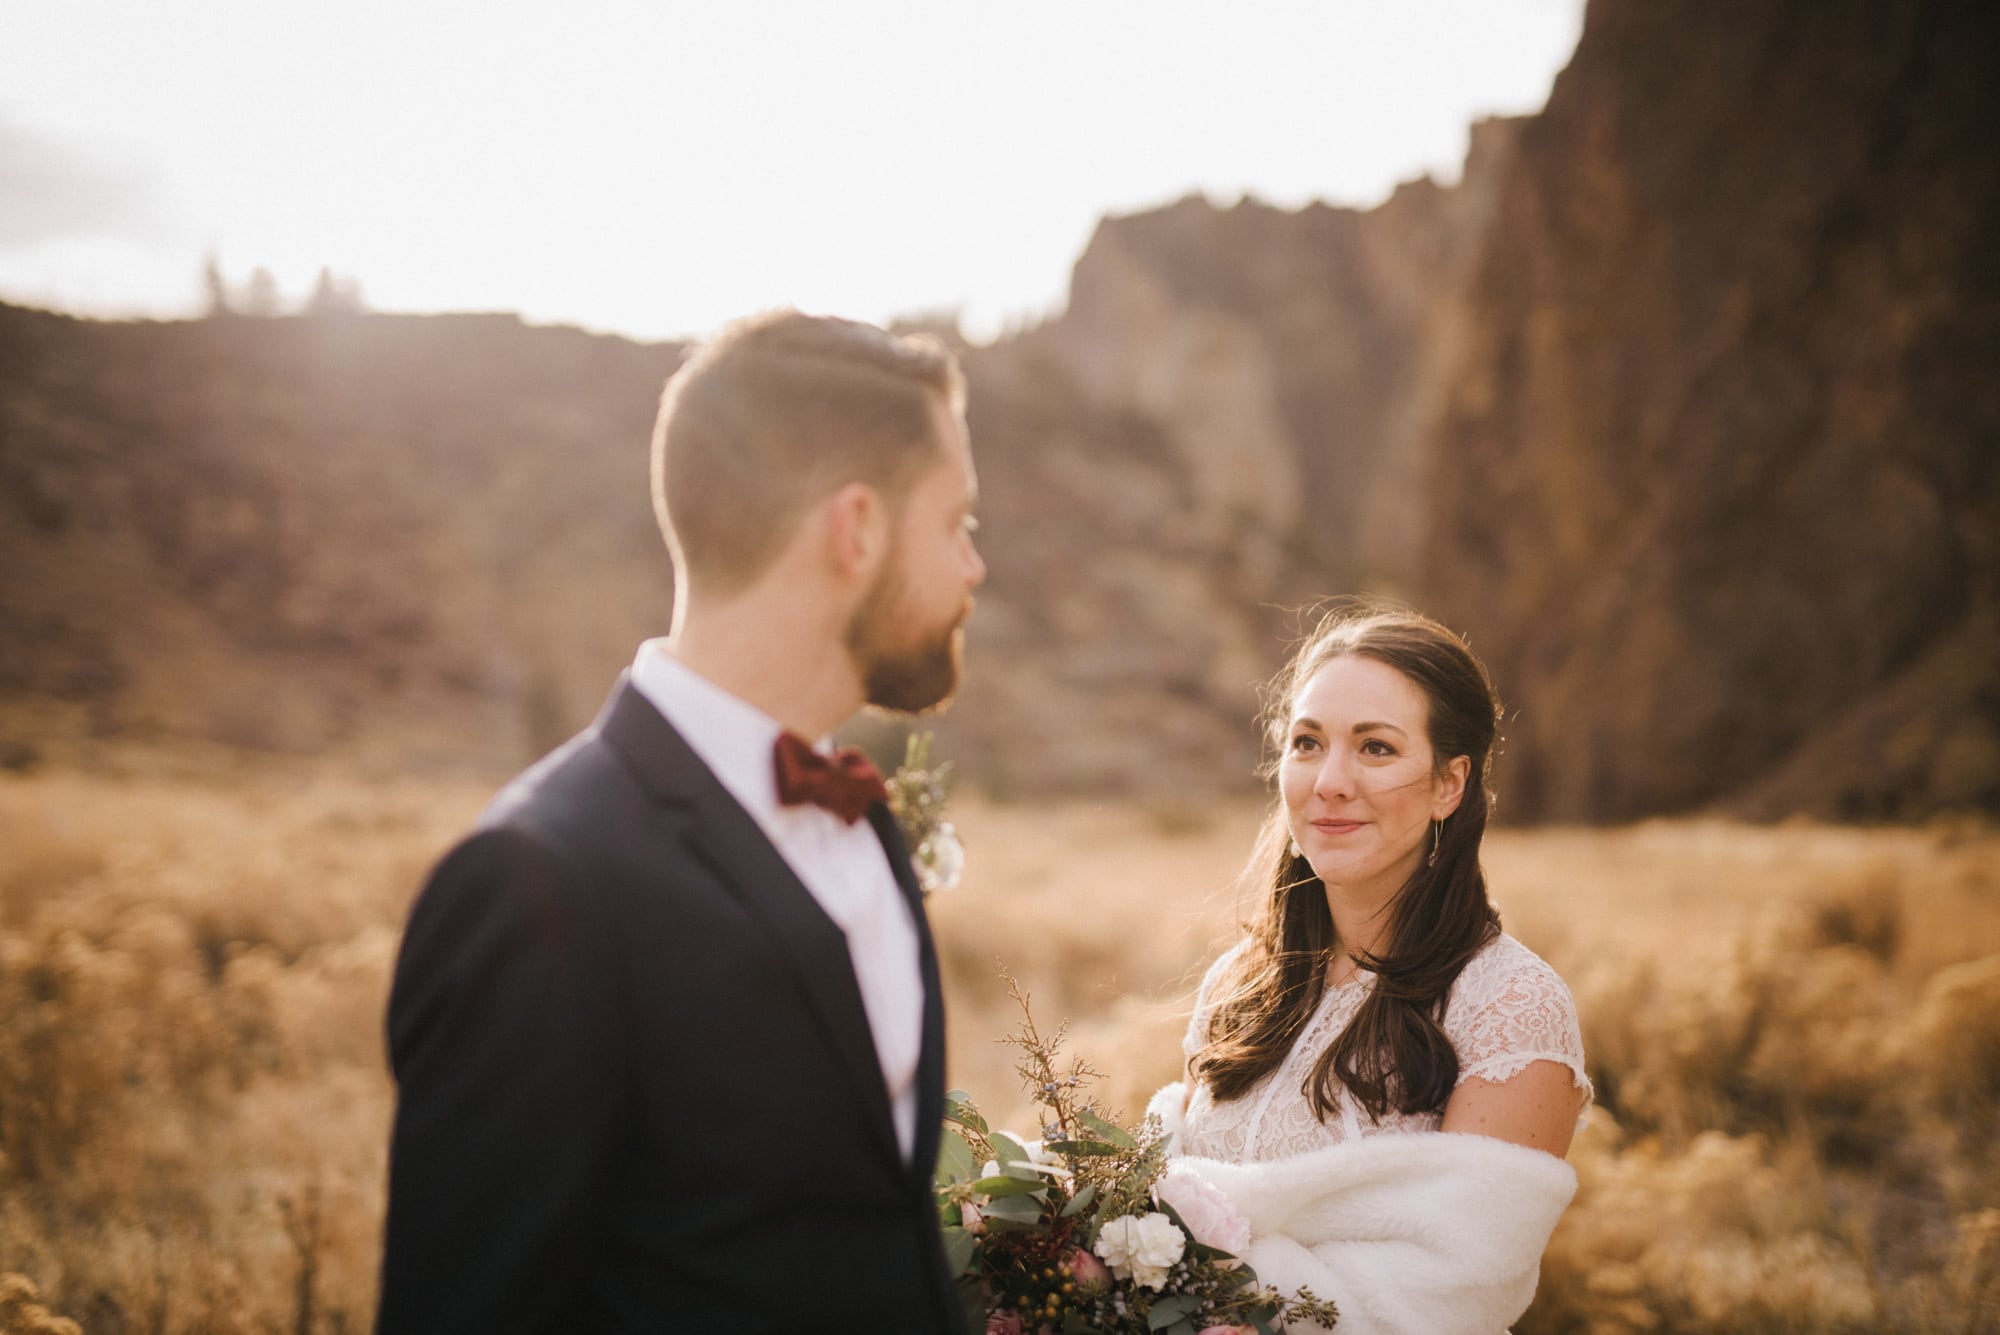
<point x="902" y="669"/>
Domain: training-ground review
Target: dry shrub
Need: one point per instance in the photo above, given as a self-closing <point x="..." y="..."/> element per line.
<point x="1724" y="1234"/>
<point x="193" y="1106"/>
<point x="1971" y="1289"/>
<point x="22" y="1312"/>
<point x="1953" y="1044"/>
<point x="1794" y="1032"/>
<point x="1797" y="1135"/>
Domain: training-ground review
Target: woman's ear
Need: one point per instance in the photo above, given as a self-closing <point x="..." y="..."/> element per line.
<point x="1451" y="786"/>
<point x="857" y="530"/>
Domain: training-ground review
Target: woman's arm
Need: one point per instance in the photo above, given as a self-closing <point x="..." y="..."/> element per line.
<point x="1537" y="1108"/>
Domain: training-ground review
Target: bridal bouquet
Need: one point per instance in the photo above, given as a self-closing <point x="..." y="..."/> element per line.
<point x="1090" y="1228"/>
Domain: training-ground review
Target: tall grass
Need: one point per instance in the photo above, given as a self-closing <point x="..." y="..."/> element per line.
<point x="192" y="1099"/>
<point x="1794" y="1031"/>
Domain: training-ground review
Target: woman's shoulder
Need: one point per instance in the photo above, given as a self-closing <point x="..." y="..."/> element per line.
<point x="1503" y="965"/>
<point x="1509" y="1008"/>
<point x="1205" y="997"/>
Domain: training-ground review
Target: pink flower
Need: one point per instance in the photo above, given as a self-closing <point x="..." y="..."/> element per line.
<point x="970" y="1219"/>
<point x="1003" y="1323"/>
<point x="1086" y="1270"/>
<point x="1228" y="1330"/>
<point x="1209" y="1216"/>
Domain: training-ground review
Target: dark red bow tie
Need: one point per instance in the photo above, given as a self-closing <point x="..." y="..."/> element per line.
<point x="846" y="783"/>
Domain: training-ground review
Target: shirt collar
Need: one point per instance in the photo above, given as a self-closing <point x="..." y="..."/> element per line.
<point x="733" y="737"/>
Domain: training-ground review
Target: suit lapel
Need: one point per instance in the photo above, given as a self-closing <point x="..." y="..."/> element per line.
<point x="930" y="1059"/>
<point x="744" y="860"/>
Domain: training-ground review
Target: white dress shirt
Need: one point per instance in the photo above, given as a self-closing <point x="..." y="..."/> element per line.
<point x="844" y="866"/>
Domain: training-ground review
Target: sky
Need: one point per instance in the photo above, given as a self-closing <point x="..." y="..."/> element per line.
<point x="654" y="169"/>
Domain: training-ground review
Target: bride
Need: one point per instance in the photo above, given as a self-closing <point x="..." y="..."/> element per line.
<point x="1375" y="1003"/>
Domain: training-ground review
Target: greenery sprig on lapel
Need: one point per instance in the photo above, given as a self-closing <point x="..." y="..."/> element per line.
<point x="917" y="793"/>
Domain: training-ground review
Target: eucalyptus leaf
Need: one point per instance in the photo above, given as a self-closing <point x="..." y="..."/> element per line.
<point x="954" y="1157"/>
<point x="1171" y="1308"/>
<point x="1080" y="1202"/>
<point x="958" y="1107"/>
<point x="1008" y="1150"/>
<point x="1005" y="1184"/>
<point x="1014" y="1209"/>
<point x="959" y="1245"/>
<point x="1108" y="1131"/>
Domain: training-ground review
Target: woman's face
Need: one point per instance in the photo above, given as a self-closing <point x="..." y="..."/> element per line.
<point x="1359" y="779"/>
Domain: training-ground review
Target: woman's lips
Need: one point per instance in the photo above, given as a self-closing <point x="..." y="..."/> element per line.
<point x="1336" y="826"/>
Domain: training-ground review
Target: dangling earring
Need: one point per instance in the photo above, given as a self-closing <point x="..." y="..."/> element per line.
<point x="1294" y="849"/>
<point x="1437" y="837"/>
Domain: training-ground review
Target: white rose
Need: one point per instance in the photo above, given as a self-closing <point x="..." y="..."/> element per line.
<point x="1141" y="1248"/>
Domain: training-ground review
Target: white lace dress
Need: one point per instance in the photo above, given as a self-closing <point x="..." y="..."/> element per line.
<point x="1506" y="1010"/>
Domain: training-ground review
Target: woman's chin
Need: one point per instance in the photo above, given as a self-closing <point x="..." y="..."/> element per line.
<point x="1359" y="875"/>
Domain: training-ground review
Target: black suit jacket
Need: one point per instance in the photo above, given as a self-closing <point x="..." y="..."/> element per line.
<point x="637" y="1088"/>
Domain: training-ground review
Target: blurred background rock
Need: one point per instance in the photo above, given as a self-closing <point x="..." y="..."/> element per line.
<point x="1682" y="405"/>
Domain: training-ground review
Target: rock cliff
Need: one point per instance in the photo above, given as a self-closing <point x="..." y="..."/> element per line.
<point x="1682" y="404"/>
<point x="1714" y="489"/>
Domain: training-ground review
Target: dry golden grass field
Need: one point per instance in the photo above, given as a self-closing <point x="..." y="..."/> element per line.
<point x="1794" y="1032"/>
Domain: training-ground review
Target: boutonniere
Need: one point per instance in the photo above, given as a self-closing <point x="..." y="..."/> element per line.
<point x="916" y="797"/>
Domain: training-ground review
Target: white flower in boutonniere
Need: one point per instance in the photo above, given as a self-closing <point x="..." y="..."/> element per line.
<point x="916" y="796"/>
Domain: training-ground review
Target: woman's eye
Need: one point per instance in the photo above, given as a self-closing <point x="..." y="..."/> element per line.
<point x="1375" y="746"/>
<point x="1305" y="741"/>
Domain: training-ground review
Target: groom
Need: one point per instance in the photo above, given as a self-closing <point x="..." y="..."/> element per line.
<point x="666" y="1027"/>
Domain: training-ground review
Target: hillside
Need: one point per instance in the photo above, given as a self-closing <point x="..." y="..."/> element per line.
<point x="1681" y="403"/>
<point x="412" y="539"/>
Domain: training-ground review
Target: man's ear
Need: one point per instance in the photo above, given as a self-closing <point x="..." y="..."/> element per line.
<point x="857" y="530"/>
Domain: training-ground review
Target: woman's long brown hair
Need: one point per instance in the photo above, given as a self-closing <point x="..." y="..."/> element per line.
<point x="1394" y="1054"/>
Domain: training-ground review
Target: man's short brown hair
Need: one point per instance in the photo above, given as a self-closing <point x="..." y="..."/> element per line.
<point x="775" y="413"/>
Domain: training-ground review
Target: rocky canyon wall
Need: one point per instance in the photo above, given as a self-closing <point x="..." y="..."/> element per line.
<point x="1683" y="404"/>
<point x="1714" y="487"/>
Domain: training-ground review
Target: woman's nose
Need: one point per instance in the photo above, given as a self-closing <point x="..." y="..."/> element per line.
<point x="1335" y="777"/>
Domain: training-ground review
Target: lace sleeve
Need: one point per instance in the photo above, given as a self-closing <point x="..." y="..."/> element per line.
<point x="1509" y="1010"/>
<point x="1204" y="1002"/>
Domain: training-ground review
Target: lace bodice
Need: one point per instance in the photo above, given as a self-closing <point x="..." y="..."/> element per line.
<point x="1506" y="1010"/>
